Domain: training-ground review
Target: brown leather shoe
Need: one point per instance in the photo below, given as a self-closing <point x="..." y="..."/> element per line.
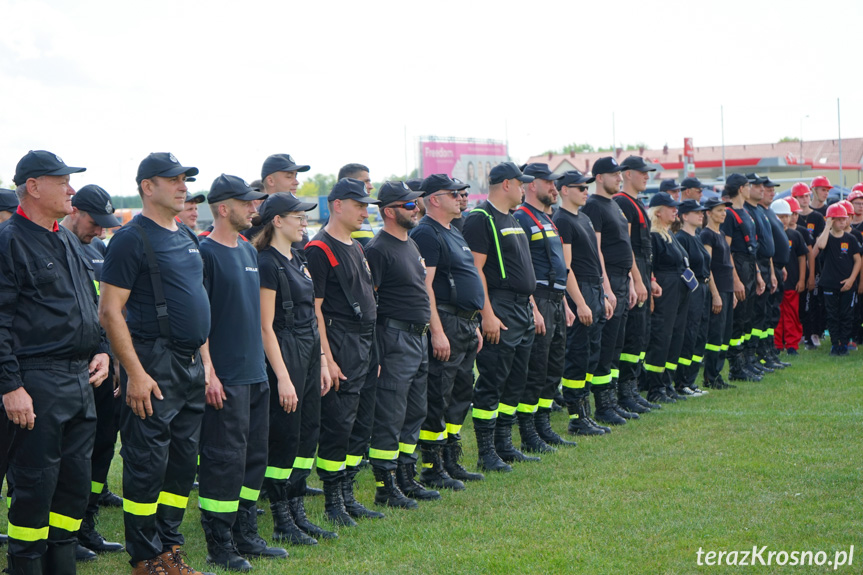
<point x="149" y="567"/>
<point x="175" y="563"/>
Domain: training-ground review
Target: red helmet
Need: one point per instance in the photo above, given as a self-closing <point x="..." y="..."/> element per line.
<point x="856" y="193"/>
<point x="847" y="205"/>
<point x="836" y="211"/>
<point x="857" y="188"/>
<point x="795" y="205"/>
<point x="820" y="182"/>
<point x="799" y="189"/>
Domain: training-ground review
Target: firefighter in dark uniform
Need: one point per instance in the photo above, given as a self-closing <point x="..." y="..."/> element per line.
<point x="635" y="177"/>
<point x="346" y="314"/>
<point x="51" y="352"/>
<point x="585" y="296"/>
<point x="615" y="256"/>
<point x="398" y="274"/>
<point x="501" y="252"/>
<point x="456" y="296"/>
<point x="545" y="368"/>
<point x="781" y="256"/>
<point x="360" y="172"/>
<point x="757" y="337"/>
<point x="279" y="174"/>
<point x="154" y="270"/>
<point x="8" y="205"/>
<point x="189" y="215"/>
<point x="741" y="233"/>
<point x="92" y="212"/>
<point x="236" y="424"/>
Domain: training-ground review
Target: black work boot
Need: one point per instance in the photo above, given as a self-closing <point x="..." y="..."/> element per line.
<point x="434" y="473"/>
<point x="605" y="412"/>
<point x="585" y="405"/>
<point x="109" y="499"/>
<point x="297" y="509"/>
<point x="406" y="478"/>
<point x="542" y="422"/>
<point x="451" y="453"/>
<point x="355" y="508"/>
<point x="92" y="539"/>
<point x="245" y="531"/>
<point x="59" y="559"/>
<point x="627" y="400"/>
<point x="84" y="555"/>
<point x="221" y="549"/>
<point x="334" y="504"/>
<point x="285" y="529"/>
<point x="639" y="399"/>
<point x="615" y="402"/>
<point x="503" y="440"/>
<point x="488" y="458"/>
<point x="578" y="423"/>
<point x="754" y="363"/>
<point x="737" y="370"/>
<point x="387" y="492"/>
<point x="530" y="439"/>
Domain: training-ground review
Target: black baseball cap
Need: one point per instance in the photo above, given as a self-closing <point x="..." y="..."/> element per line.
<point x="282" y="203"/>
<point x="227" y="187"/>
<point x="8" y="200"/>
<point x="573" y="178"/>
<point x="606" y="165"/>
<point x="351" y="189"/>
<point x="507" y="171"/>
<point x="392" y="192"/>
<point x="96" y="202"/>
<point x="736" y="180"/>
<point x="768" y="183"/>
<point x="663" y="199"/>
<point x="197" y="198"/>
<point x="437" y="182"/>
<point x="281" y="163"/>
<point x="669" y="185"/>
<point x="756" y="179"/>
<point x="162" y="164"/>
<point x="37" y="163"/>
<point x="636" y="163"/>
<point x="713" y="202"/>
<point x="415" y="184"/>
<point x="688" y="183"/>
<point x="687" y="206"/>
<point x="540" y="172"/>
<point x="459" y="182"/>
<point x="256" y="185"/>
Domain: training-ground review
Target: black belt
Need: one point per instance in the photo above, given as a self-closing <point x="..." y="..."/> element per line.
<point x="509" y="295"/>
<point x="69" y="365"/>
<point x="414" y="328"/>
<point x="452" y="310"/>
<point x="351" y="325"/>
<point x="173" y="346"/>
<point x="547" y="293"/>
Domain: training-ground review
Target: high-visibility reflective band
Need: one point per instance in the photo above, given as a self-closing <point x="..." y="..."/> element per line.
<point x="588" y="377"/>
<point x="628" y="357"/>
<point x="303" y="462"/>
<point x="539" y="236"/>
<point x="756" y="332"/>
<point x="545" y="403"/>
<point x="574" y="416"/>
<point x="734" y="342"/>
<point x="670" y="366"/>
<point x="654" y="368"/>
<point x="477" y="413"/>
<point x="249" y="494"/>
<point x="172" y="500"/>
<point x="350" y="461"/>
<point x="763" y="335"/>
<point x="506" y="409"/>
<point x="711" y="347"/>
<point x="601" y="379"/>
<point x="428" y="465"/>
<point x="277" y="473"/>
<point x="199" y="460"/>
<point x="140" y="509"/>
<point x="329" y="465"/>
<point x="382" y="454"/>
<point x="572" y="383"/>
<point x="27" y="533"/>
<point x="510" y="231"/>
<point x="452" y="429"/>
<point x="96" y="283"/>
<point x="697" y="359"/>
<point x="426" y="435"/>
<point x="615" y="373"/>
<point x="684" y="361"/>
<point x="525" y="408"/>
<point x="63" y="522"/>
<point x="215" y="506"/>
<point x="771" y="331"/>
<point x="724" y="347"/>
<point x="747" y="336"/>
<point x="363" y="234"/>
<point x="96" y="487"/>
<point x="408" y="448"/>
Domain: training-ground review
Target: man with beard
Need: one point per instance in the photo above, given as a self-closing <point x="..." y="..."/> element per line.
<point x="236" y="420"/>
<point x="463" y="195"/>
<point x="545" y="367"/>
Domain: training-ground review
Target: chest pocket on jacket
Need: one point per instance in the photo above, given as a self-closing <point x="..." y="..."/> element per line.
<point x="43" y="270"/>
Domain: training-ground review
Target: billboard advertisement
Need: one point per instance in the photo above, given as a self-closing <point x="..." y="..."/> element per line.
<point x="467" y="160"/>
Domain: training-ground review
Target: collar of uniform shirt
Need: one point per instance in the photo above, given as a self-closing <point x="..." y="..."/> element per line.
<point x="20" y="212"/>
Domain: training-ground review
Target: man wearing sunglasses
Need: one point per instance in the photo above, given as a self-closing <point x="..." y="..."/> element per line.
<point x="458" y="221"/>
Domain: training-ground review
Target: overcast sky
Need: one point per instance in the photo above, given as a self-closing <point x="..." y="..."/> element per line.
<point x="224" y="84"/>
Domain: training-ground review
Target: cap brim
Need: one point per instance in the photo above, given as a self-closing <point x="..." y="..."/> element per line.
<point x="549" y="177"/>
<point x="524" y="178"/>
<point x="366" y="200"/>
<point x="197" y="198"/>
<point x="305" y="207"/>
<point x="251" y="196"/>
<point x="105" y="220"/>
<point x="177" y="171"/>
<point x="66" y="171"/>
<point x="698" y="209"/>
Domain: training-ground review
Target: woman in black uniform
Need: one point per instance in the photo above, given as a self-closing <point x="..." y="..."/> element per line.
<point x="691" y="215"/>
<point x="294" y="362"/>
<point x="669" y="263"/>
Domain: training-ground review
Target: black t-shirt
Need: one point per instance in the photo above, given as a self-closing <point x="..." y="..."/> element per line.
<point x="699" y="259"/>
<point x="95" y="252"/>
<point x="639" y="224"/>
<point x="797" y="247"/>
<point x="511" y="244"/>
<point x="398" y="273"/>
<point x="763" y="232"/>
<point x="720" y="259"/>
<point x="822" y="210"/>
<point x="837" y="261"/>
<point x="668" y="256"/>
<point x="781" y="252"/>
<point x="814" y="222"/>
<point x="232" y="282"/>
<point x="609" y="221"/>
<point x="359" y="279"/>
<point x="543" y="242"/>
<point x="457" y="260"/>
<point x="182" y="273"/>
<point x="577" y="230"/>
<point x="458" y="223"/>
<point x="739" y="225"/>
<point x="299" y="282"/>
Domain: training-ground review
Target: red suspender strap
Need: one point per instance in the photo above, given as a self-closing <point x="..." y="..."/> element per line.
<point x="637" y="209"/>
<point x="330" y="255"/>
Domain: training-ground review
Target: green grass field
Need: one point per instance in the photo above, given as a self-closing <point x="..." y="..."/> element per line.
<point x="775" y="463"/>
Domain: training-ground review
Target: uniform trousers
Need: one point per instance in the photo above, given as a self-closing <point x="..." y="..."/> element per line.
<point x="583" y="344"/>
<point x="545" y="367"/>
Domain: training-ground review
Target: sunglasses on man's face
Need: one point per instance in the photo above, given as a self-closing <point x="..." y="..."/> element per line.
<point x="406" y="206"/>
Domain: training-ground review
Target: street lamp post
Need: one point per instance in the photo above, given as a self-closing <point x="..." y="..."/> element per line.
<point x="800" y="159"/>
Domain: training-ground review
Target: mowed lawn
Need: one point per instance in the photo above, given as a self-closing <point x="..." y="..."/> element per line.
<point x="776" y="463"/>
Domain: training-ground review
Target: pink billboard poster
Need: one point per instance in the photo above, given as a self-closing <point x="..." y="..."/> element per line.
<point x="468" y="161"/>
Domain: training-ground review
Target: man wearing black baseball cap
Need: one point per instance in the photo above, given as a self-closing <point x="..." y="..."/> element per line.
<point x="154" y="271"/>
<point x="552" y="313"/>
<point x="92" y="213"/>
<point x="8" y="204"/>
<point x="53" y="353"/>
<point x="691" y="189"/>
<point x="189" y="215"/>
<point x="279" y="174"/>
<point x="670" y="187"/>
<point x="781" y="258"/>
<point x="501" y="252"/>
<point x="346" y="314"/>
